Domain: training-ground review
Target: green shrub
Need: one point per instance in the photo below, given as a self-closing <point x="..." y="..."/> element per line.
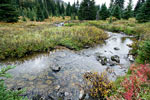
<point x="6" y="94"/>
<point x="144" y="52"/>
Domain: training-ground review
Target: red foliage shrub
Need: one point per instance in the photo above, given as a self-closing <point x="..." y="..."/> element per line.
<point x="133" y="85"/>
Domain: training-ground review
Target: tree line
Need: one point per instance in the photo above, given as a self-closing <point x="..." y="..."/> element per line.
<point x="116" y="9"/>
<point x="87" y="10"/>
<point x="37" y="10"/>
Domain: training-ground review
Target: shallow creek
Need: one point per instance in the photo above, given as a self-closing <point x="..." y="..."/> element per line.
<point x="36" y="74"/>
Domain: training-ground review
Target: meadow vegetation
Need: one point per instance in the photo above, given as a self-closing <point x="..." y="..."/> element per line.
<point x="41" y="36"/>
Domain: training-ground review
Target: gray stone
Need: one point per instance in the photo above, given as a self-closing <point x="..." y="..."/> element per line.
<point x="57" y="87"/>
<point x="82" y="95"/>
<point x="103" y="60"/>
<point x="111" y="63"/>
<point x="130" y="57"/>
<point x="116" y="48"/>
<point x="55" y="68"/>
<point x="66" y="94"/>
<point x="115" y="58"/>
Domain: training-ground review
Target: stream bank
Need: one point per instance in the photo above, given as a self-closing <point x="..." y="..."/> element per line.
<point x="59" y="74"/>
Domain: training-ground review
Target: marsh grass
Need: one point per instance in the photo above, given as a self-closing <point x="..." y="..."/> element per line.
<point x="19" y="40"/>
<point x="130" y="27"/>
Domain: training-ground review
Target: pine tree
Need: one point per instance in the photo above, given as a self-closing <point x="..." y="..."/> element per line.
<point x="87" y="10"/>
<point x="137" y="7"/>
<point x="62" y="9"/>
<point x="59" y="8"/>
<point x="117" y="12"/>
<point x="128" y="13"/>
<point x="8" y="12"/>
<point x="104" y="12"/>
<point x="144" y="13"/>
<point x="120" y="3"/>
<point x="40" y="15"/>
<point x="68" y="9"/>
<point x="111" y="6"/>
<point x="93" y="10"/>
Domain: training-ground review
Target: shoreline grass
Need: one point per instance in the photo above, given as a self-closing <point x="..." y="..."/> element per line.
<point x="16" y="42"/>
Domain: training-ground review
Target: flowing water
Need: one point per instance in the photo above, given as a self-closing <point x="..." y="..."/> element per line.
<point x="36" y="74"/>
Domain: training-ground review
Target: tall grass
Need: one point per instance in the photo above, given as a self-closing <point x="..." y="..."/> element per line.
<point x="21" y="42"/>
<point x="130" y="27"/>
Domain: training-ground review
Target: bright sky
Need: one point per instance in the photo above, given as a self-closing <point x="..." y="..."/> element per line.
<point x="101" y="1"/>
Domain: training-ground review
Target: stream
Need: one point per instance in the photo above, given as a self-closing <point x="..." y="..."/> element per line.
<point x="58" y="75"/>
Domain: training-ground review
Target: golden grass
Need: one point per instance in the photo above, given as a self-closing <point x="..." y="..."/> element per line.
<point x="20" y="39"/>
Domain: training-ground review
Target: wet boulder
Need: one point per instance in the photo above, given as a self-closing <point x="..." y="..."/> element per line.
<point x="98" y="56"/>
<point x="115" y="58"/>
<point x="111" y="63"/>
<point x="103" y="60"/>
<point x="82" y="95"/>
<point x="116" y="48"/>
<point x="130" y="57"/>
<point x="55" y="68"/>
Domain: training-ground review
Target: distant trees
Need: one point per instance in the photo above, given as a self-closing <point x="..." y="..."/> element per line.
<point x="38" y="10"/>
<point x="128" y="13"/>
<point x="104" y="12"/>
<point x="116" y="12"/>
<point x="144" y="12"/>
<point x="8" y="11"/>
<point x="87" y="10"/>
<point x="120" y="3"/>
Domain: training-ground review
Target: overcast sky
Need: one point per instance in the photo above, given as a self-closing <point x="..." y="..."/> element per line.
<point x="101" y="1"/>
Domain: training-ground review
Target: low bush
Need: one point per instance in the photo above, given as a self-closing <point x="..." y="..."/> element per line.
<point x="144" y="52"/>
<point x="6" y="94"/>
<point x="135" y="86"/>
<point x="98" y="85"/>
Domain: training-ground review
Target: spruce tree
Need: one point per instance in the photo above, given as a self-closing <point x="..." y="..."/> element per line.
<point x="128" y="13"/>
<point x="120" y="3"/>
<point x="8" y="12"/>
<point x="144" y="13"/>
<point x="68" y="9"/>
<point x="87" y="10"/>
<point x="137" y="7"/>
<point x="117" y="12"/>
<point x="104" y="12"/>
<point x="93" y="10"/>
<point x="59" y="8"/>
<point x="111" y="6"/>
<point x="40" y="15"/>
<point x="62" y="9"/>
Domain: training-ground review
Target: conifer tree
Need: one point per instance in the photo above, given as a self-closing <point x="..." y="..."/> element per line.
<point x="8" y="11"/>
<point x="137" y="7"/>
<point x="111" y="6"/>
<point x="104" y="12"/>
<point x="40" y="15"/>
<point x="87" y="10"/>
<point x="120" y="3"/>
<point x="128" y="13"/>
<point x="144" y="13"/>
<point x="68" y="9"/>
<point x="117" y="12"/>
<point x="59" y="8"/>
<point x="93" y="10"/>
<point x="62" y="9"/>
